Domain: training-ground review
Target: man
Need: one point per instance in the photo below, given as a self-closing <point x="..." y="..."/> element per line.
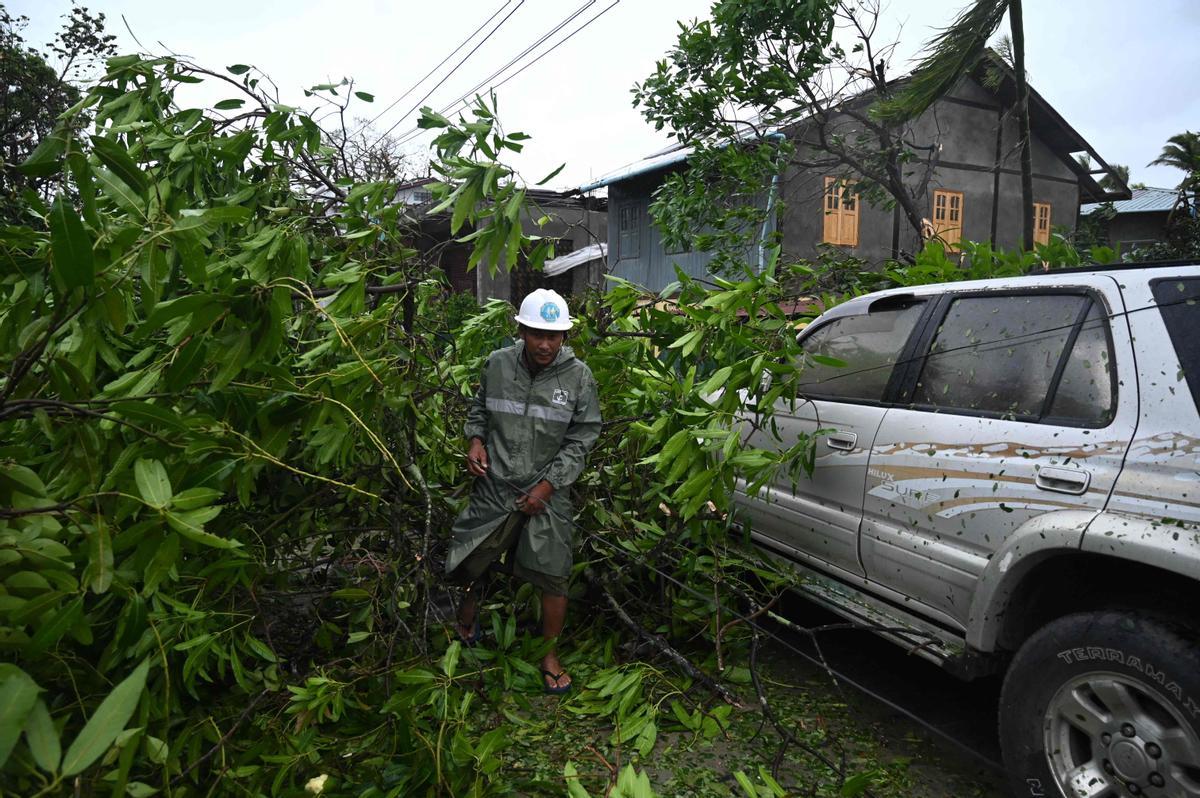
<point x="531" y="426"/>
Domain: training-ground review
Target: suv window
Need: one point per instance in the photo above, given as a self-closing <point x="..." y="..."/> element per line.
<point x="869" y="345"/>
<point x="1004" y="355"/>
<point x="1179" y="303"/>
<point x="1085" y="391"/>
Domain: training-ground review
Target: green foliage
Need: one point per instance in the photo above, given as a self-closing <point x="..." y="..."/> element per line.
<point x="753" y="57"/>
<point x="479" y="188"/>
<point x="1183" y="243"/>
<point x="754" y="52"/>
<point x="214" y="377"/>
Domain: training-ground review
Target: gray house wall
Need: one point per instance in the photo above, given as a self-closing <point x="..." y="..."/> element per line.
<point x="964" y="127"/>
<point x="976" y="153"/>
<point x="1128" y="230"/>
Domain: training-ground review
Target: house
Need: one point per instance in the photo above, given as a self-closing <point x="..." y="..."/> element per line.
<point x="972" y="191"/>
<point x="1141" y="220"/>
<point x="578" y="223"/>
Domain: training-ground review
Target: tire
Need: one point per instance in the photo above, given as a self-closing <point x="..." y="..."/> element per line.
<point x="1101" y="705"/>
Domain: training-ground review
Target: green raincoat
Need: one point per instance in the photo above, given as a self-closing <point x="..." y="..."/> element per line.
<point x="534" y="428"/>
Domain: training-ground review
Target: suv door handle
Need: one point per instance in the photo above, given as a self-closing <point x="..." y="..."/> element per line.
<point x="843" y="441"/>
<point x="1064" y="480"/>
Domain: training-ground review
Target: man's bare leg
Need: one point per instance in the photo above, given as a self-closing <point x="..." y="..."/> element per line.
<point x="468" y="610"/>
<point x="554" y="616"/>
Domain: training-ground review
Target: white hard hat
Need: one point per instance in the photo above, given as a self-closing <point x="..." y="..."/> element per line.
<point x="544" y="310"/>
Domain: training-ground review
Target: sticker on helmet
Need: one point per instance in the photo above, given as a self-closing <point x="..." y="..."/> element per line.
<point x="549" y="312"/>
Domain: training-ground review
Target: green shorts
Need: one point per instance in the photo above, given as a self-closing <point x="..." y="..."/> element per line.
<point x="498" y="552"/>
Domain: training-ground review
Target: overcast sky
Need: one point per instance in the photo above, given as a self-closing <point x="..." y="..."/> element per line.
<point x="1122" y="74"/>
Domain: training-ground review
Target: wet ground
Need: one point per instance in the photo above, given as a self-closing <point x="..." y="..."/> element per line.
<point x="909" y="699"/>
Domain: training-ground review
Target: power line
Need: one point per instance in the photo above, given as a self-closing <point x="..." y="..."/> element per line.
<point x="474" y="50"/>
<point x="440" y="64"/>
<point x="463" y="101"/>
<point x="414" y="132"/>
<point x="541" y="40"/>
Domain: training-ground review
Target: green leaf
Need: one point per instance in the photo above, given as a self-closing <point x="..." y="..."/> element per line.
<point x="46" y="159"/>
<point x="191" y="526"/>
<point x="117" y="159"/>
<point x="53" y="630"/>
<point x="238" y="69"/>
<point x="450" y="660"/>
<point x="857" y="784"/>
<point x="364" y="96"/>
<point x="147" y="414"/>
<point x="574" y="788"/>
<point x="100" y="558"/>
<point x="825" y="360"/>
<point x="18" y="694"/>
<point x="116" y="190"/>
<point x="42" y="738"/>
<point x="746" y="784"/>
<point x="106" y="722"/>
<point x="233" y="360"/>
<point x="195" y="498"/>
<point x="430" y="119"/>
<point x="173" y="309"/>
<point x="717" y="380"/>
<point x="552" y="175"/>
<point x="70" y="246"/>
<point x="21" y="479"/>
<point x="229" y="105"/>
<point x="157" y="750"/>
<point x="121" y="62"/>
<point x="165" y="557"/>
<point x="153" y="483"/>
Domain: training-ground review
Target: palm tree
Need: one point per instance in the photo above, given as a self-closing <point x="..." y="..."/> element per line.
<point x="1182" y="151"/>
<point x="1117" y="178"/>
<point x="951" y="54"/>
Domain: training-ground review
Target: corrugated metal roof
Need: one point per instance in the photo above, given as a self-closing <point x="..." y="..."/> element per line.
<point x="654" y="162"/>
<point x="564" y="263"/>
<point x="1144" y="200"/>
<point x="661" y="160"/>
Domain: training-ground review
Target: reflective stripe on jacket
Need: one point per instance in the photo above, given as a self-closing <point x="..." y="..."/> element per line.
<point x="535" y="427"/>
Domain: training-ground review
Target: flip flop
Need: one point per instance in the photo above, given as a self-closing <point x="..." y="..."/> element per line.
<point x="557" y="689"/>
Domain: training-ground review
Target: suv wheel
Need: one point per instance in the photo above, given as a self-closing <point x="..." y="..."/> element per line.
<point x="1104" y="704"/>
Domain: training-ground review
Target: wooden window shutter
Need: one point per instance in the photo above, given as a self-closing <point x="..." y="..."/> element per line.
<point x="849" y="226"/>
<point x="948" y="218"/>
<point x="1041" y="223"/>
<point x="831" y="212"/>
<point x="840" y="211"/>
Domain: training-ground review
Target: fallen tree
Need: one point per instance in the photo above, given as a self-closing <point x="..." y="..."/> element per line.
<point x="230" y="416"/>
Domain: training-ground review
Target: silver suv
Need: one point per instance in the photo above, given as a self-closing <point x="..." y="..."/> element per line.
<point x="1011" y="472"/>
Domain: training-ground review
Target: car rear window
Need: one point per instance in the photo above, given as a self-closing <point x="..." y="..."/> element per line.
<point x="1179" y="303"/>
